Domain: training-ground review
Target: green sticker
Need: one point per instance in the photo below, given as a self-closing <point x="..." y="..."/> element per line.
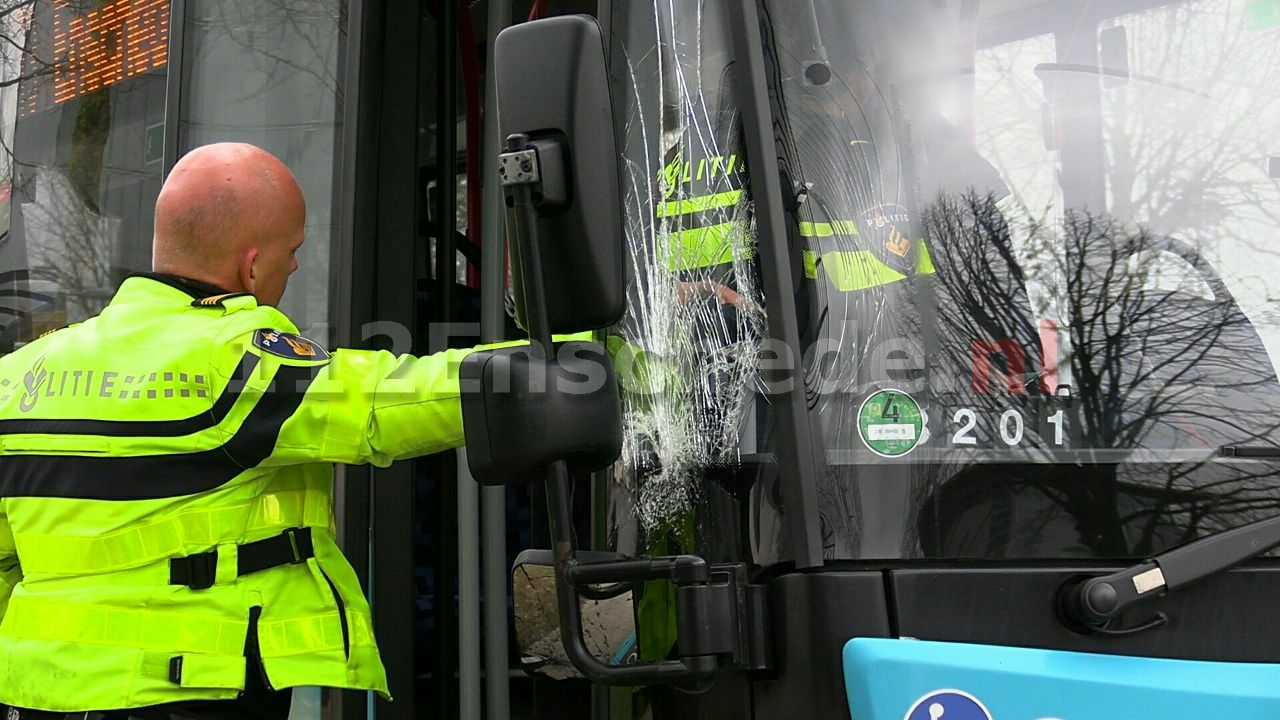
<point x="1262" y="14"/>
<point x="891" y="423"/>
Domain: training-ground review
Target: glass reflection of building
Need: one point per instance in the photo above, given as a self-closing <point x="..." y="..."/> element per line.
<point x="91" y="110"/>
<point x="87" y="151"/>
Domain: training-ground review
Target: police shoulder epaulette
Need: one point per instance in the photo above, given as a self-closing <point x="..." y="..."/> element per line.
<point x="50" y="332"/>
<point x="216" y="300"/>
<point x="289" y="345"/>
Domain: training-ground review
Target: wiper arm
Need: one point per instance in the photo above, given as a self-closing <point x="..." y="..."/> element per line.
<point x="1093" y="603"/>
<point x="1250" y="451"/>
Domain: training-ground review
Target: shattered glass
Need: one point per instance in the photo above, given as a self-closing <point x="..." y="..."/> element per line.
<point x="696" y="311"/>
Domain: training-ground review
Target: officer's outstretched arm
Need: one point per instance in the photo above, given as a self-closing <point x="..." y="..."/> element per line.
<point x="357" y="406"/>
<point x="10" y="571"/>
<point x="351" y="406"/>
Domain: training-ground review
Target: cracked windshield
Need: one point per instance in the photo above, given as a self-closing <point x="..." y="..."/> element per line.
<point x="1034" y="250"/>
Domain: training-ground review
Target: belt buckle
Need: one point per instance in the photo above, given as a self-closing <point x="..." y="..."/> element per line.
<point x="197" y="572"/>
<point x="300" y="544"/>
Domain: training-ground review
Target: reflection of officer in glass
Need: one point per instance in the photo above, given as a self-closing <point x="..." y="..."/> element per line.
<point x="702" y="229"/>
<point x="910" y="262"/>
<point x="166" y="521"/>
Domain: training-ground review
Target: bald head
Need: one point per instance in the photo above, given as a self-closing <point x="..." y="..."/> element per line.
<point x="230" y="214"/>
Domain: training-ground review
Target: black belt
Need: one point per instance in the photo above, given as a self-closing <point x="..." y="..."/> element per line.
<point x="291" y="547"/>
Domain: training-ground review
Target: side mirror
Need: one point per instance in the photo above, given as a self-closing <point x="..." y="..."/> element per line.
<point x="526" y="414"/>
<point x="608" y="619"/>
<point x="523" y="413"/>
<point x="553" y="87"/>
<point x="559" y="173"/>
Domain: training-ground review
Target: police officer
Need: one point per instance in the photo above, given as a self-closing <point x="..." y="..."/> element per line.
<point x="166" y="527"/>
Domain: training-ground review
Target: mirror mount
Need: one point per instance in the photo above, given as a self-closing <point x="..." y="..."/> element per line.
<point x="540" y="162"/>
<point x="721" y="618"/>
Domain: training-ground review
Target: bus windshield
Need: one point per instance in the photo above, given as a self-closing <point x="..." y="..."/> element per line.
<point x="1045" y="231"/>
<point x="1040" y="237"/>
<point x="1032" y="247"/>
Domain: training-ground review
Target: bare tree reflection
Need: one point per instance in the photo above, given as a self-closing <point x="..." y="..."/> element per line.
<point x="1161" y="378"/>
<point x="286" y="43"/>
<point x="65" y="245"/>
<point x="82" y="113"/>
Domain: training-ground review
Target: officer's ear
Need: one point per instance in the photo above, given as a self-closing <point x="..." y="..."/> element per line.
<point x="248" y="270"/>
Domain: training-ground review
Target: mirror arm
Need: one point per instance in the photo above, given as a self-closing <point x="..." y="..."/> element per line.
<point x="559" y="176"/>
<point x="519" y="172"/>
<point x="683" y="569"/>
<point x="600" y="593"/>
<point x="570" y="573"/>
<point x="520" y="175"/>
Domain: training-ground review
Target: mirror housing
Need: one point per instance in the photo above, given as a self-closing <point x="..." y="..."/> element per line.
<point x="521" y="412"/>
<point x="552" y="85"/>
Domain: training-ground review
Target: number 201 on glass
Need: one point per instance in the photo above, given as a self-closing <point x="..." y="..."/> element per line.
<point x="1010" y="427"/>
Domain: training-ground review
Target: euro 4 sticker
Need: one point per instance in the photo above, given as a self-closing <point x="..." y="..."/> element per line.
<point x="891" y="423"/>
<point x="948" y="705"/>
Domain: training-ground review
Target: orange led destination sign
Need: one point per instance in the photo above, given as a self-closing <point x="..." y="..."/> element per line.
<point x="93" y="50"/>
<point x="121" y="39"/>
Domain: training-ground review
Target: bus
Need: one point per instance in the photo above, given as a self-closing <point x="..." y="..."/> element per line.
<point x="947" y="348"/>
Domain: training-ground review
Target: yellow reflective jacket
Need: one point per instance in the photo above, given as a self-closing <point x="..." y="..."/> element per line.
<point x="166" y="500"/>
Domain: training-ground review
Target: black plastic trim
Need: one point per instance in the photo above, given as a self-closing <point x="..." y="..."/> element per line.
<point x="798" y="451"/>
<point x="1226" y="618"/>
<point x="174" y="84"/>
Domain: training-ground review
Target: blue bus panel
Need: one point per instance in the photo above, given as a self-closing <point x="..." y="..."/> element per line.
<point x="924" y="680"/>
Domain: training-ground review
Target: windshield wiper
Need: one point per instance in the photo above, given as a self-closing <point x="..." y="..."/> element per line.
<point x="1249" y="451"/>
<point x="1092" y="604"/>
<point x="1044" y="70"/>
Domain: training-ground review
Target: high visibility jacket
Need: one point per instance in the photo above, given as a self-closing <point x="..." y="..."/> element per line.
<point x="166" y="500"/>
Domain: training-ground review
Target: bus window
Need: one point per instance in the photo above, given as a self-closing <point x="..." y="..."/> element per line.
<point x="84" y="127"/>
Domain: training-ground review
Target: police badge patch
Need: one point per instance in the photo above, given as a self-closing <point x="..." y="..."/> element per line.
<point x="288" y="345"/>
<point x="887" y="227"/>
